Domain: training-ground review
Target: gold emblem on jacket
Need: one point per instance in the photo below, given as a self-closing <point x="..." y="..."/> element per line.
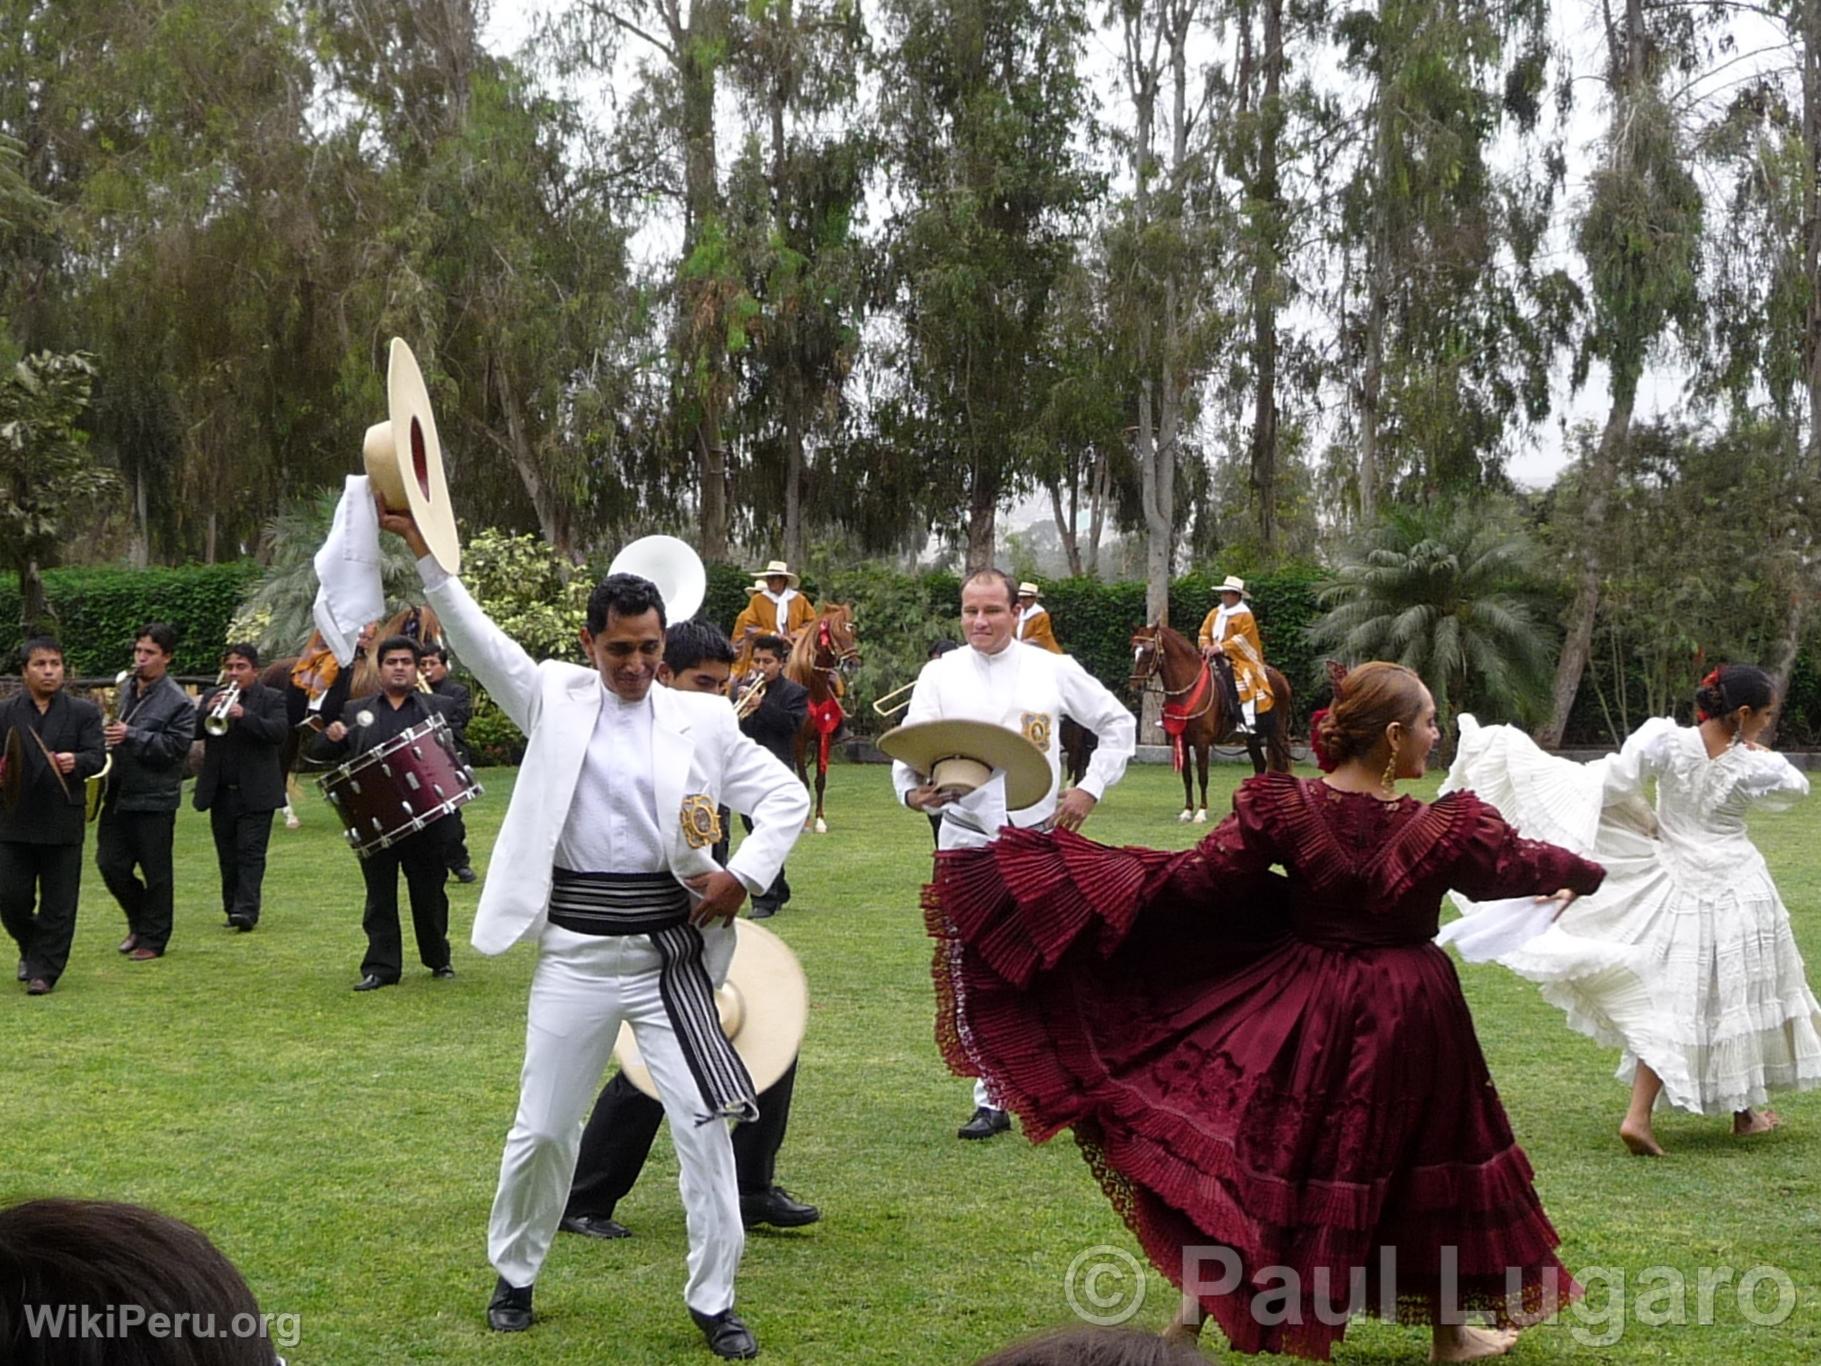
<point x="701" y="821"/>
<point x="1037" y="729"/>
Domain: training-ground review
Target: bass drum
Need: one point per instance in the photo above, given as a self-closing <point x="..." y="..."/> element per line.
<point x="399" y="787"/>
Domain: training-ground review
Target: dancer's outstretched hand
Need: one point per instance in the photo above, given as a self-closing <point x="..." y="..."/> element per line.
<point x="1563" y="899"/>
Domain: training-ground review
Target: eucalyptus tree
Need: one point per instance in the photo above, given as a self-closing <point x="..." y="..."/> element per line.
<point x="983" y="108"/>
<point x="1639" y="235"/>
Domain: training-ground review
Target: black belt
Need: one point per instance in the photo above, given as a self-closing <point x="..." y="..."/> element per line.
<point x="617" y="903"/>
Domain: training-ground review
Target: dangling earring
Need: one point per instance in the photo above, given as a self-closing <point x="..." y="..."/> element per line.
<point x="1389" y="780"/>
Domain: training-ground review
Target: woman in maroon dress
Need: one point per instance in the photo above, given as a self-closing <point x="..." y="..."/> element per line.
<point x="1274" y="1076"/>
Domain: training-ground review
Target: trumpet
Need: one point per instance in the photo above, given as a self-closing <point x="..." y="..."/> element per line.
<point x="218" y="719"/>
<point x="749" y="700"/>
<point x="879" y="703"/>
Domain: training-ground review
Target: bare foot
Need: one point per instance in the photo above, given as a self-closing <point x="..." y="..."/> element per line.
<point x="1747" y="1122"/>
<point x="1639" y="1138"/>
<point x="1471" y="1344"/>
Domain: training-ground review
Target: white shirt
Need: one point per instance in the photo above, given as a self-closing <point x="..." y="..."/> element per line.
<point x="780" y="600"/>
<point x="613" y="820"/>
<point x="1018" y="684"/>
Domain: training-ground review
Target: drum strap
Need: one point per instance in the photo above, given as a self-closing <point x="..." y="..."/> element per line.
<point x="656" y="904"/>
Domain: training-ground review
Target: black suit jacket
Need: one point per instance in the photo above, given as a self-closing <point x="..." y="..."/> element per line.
<point x="51" y="811"/>
<point x="148" y="764"/>
<point x="387" y="722"/>
<point x="246" y="757"/>
<point x="778" y="718"/>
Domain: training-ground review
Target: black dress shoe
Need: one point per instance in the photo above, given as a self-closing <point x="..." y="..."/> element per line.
<point x="243" y="923"/>
<point x="986" y="1122"/>
<point x="509" y="1311"/>
<point x="372" y="983"/>
<point x="759" y="912"/>
<point x="593" y="1226"/>
<point x="727" y="1334"/>
<point x="130" y="943"/>
<point x="466" y="874"/>
<point x="442" y="974"/>
<point x="777" y="1207"/>
<point x="38" y="986"/>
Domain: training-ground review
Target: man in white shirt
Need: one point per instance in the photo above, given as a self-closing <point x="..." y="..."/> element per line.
<point x="1024" y="688"/>
<point x="603" y="859"/>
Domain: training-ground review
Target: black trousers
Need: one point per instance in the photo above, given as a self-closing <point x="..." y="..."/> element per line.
<point x="455" y="853"/>
<point x="618" y="1138"/>
<point x="426" y="870"/>
<point x="130" y="842"/>
<point x="774" y="896"/>
<point x="241" y="837"/>
<point x="49" y="875"/>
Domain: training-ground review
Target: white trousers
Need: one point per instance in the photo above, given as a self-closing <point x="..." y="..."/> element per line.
<point x="584" y="986"/>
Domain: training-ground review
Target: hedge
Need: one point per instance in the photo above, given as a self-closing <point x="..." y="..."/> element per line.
<point x="99" y="608"/>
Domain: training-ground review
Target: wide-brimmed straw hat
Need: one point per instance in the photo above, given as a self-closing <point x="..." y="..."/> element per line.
<point x="404" y="459"/>
<point x="777" y="568"/>
<point x="959" y="756"/>
<point x="1027" y="589"/>
<point x="1232" y="584"/>
<point x="764" y="1009"/>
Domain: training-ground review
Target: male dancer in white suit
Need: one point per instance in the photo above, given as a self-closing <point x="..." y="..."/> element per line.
<point x="603" y="860"/>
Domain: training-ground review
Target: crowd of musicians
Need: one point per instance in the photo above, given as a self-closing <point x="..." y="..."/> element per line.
<point x="240" y="738"/>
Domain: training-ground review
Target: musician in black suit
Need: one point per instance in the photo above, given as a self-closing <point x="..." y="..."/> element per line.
<point x="774" y="723"/>
<point x="435" y="669"/>
<point x="242" y="780"/>
<point x="366" y="722"/>
<point x="56" y="741"/>
<point x="150" y="739"/>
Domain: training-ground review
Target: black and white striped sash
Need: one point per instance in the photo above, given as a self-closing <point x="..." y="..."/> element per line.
<point x="656" y="904"/>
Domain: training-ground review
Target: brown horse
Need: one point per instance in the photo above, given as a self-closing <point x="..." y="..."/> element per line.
<point x="821" y="651"/>
<point x="1196" y="711"/>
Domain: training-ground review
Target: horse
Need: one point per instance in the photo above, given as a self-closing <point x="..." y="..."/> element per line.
<point x="1195" y="710"/>
<point x="1076" y="744"/>
<point x="819" y="653"/>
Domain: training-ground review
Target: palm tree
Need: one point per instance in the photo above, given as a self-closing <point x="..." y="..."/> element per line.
<point x="1443" y="590"/>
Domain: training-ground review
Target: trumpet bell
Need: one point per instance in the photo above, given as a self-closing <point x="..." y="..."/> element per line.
<point x="673" y="566"/>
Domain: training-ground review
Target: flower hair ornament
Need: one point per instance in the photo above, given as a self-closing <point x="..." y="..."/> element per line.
<point x="1337" y="674"/>
<point x="1711" y="681"/>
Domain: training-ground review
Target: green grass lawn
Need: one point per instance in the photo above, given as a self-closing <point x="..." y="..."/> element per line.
<point x="342" y="1148"/>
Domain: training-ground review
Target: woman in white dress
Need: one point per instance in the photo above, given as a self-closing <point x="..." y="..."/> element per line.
<point x="1684" y="959"/>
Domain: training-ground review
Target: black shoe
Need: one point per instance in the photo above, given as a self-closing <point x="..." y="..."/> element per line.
<point x="762" y="912"/>
<point x="986" y="1122"/>
<point x="243" y="923"/>
<point x="442" y="974"/>
<point x="727" y="1334"/>
<point x="38" y="986"/>
<point x="777" y="1207"/>
<point x="466" y="874"/>
<point x="594" y="1226"/>
<point x="372" y="983"/>
<point x="509" y="1311"/>
<point x="130" y="943"/>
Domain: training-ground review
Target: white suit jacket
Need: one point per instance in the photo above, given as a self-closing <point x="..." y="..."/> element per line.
<point x="696" y="749"/>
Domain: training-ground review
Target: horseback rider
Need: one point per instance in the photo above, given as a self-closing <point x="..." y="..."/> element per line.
<point x="1229" y="642"/>
<point x="1033" y="620"/>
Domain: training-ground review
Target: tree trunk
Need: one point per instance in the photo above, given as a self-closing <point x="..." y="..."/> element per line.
<point x="1578" y="639"/>
<point x="1097" y="508"/>
<point x="793" y="490"/>
<point x="982" y="515"/>
<point x="1372" y="377"/>
<point x="1065" y="526"/>
<point x="208" y="543"/>
<point x="699" y="52"/>
<point x="35" y="618"/>
<point x="1266" y="282"/>
<point x="140" y="553"/>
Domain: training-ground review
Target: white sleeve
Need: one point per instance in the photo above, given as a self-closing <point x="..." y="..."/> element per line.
<point x="1091" y="704"/>
<point x="1644" y="755"/>
<point x="507" y="673"/>
<point x="924" y="706"/>
<point x="1770" y="781"/>
<point x="755" y="783"/>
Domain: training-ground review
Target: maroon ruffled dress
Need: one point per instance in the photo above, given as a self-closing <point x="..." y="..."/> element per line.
<point x="1281" y="1066"/>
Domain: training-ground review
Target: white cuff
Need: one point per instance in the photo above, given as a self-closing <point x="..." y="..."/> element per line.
<point x="432" y="573"/>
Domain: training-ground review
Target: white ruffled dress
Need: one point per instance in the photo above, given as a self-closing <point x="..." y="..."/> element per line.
<point x="1684" y="958"/>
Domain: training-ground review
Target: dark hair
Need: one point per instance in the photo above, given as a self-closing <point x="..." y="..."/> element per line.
<point x="1732" y="686"/>
<point x="998" y="576"/>
<point x="1095" y="1347"/>
<point x="623" y="595"/>
<point x="689" y="644"/>
<point x="97" y="1256"/>
<point x="246" y="649"/>
<point x="776" y="645"/>
<point x="39" y="645"/>
<point x="393" y="643"/>
<point x="160" y="634"/>
<point x="942" y="647"/>
<point x="1367" y="700"/>
<point x="436" y="648"/>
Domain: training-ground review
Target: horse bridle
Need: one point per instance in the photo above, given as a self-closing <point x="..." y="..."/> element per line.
<point x="1144" y="681"/>
<point x="825" y="640"/>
